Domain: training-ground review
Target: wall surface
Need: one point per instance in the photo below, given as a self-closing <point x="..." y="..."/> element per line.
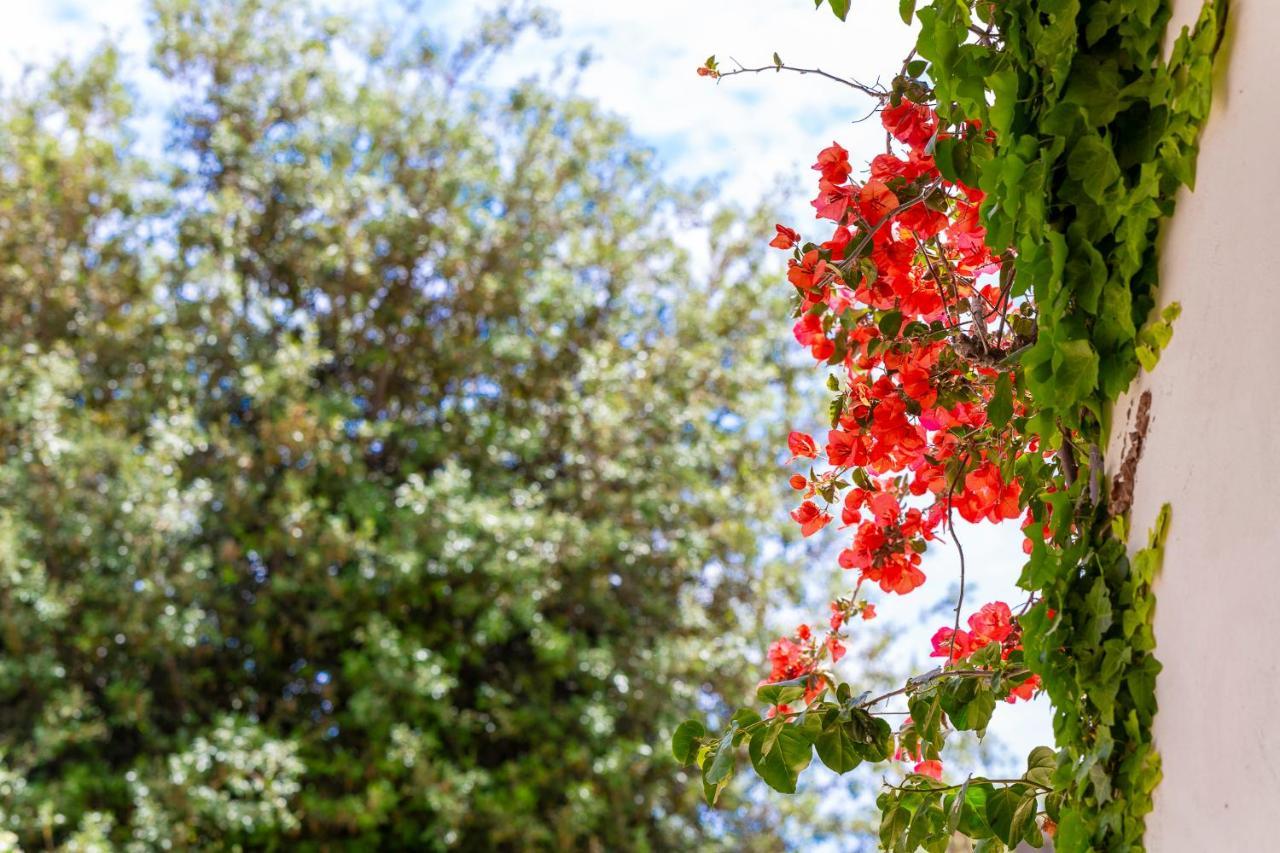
<point x="1211" y="453"/>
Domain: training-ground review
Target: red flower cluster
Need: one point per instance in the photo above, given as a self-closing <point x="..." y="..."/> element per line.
<point x="903" y="302"/>
<point x="993" y="623"/>
<point x="875" y="299"/>
<point x="886" y="548"/>
<point x="800" y="655"/>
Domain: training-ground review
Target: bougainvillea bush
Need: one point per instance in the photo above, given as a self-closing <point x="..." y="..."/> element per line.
<point x="979" y="294"/>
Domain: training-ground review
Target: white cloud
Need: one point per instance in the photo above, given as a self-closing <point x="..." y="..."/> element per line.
<point x="35" y="33"/>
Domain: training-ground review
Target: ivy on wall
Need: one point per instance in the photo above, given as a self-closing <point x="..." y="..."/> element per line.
<point x="1094" y="134"/>
<point x="1057" y="134"/>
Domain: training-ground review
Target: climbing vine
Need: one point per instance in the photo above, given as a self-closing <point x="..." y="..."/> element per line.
<point x="981" y="296"/>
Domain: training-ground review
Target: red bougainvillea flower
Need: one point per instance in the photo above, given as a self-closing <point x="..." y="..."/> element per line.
<point x="944" y="648"/>
<point x="809" y="333"/>
<point x="987" y="495"/>
<point x="1025" y="691"/>
<point x="833" y="163"/>
<point x="914" y="317"/>
<point x="802" y="446"/>
<point x="842" y="447"/>
<point x="810" y="518"/>
<point x="898" y="574"/>
<point x="993" y="623"/>
<point x="910" y="123"/>
<point x="807" y="273"/>
<point x="932" y="769"/>
<point x="875" y="202"/>
<point x="787" y="660"/>
<point x="832" y="201"/>
<point x="785" y="239"/>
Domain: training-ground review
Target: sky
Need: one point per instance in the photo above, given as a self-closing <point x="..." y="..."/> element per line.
<point x="754" y="133"/>
<point x="749" y="130"/>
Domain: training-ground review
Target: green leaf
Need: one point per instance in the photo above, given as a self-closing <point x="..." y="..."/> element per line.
<point x="955" y="805"/>
<point x="972" y="808"/>
<point x="684" y="742"/>
<point x="890" y="323"/>
<point x="1007" y="812"/>
<point x="835" y="409"/>
<point x="969" y="703"/>
<point x="873" y="735"/>
<point x="838" y="749"/>
<point x="894" y="823"/>
<point x="1092" y="163"/>
<point x="944" y="151"/>
<point x="840" y="7"/>
<point x="722" y="764"/>
<point x="927" y="823"/>
<point x="781" y="692"/>
<point x="1000" y="409"/>
<point x="1075" y="372"/>
<point x="781" y="765"/>
<point x="926" y="712"/>
<point x="907" y="8"/>
<point x="771" y="733"/>
<point x="712" y="792"/>
<point x="1024" y="818"/>
<point x="1004" y="87"/>
<point x="1040" y="765"/>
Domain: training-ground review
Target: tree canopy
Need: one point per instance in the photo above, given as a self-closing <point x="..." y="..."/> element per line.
<point x="372" y="453"/>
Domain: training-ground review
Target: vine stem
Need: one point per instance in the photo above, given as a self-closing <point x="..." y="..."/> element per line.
<point x="934" y="676"/>
<point x="951" y="527"/>
<point x="914" y="683"/>
<point x="940" y="788"/>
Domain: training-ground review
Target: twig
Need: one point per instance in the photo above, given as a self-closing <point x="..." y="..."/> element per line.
<point x="939" y="788"/>
<point x="847" y="263"/>
<point x="878" y="94"/>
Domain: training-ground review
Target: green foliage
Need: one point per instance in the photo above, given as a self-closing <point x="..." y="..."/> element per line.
<point x="1095" y="132"/>
<point x="839" y="7"/>
<point x="369" y="463"/>
<point x="998" y="815"/>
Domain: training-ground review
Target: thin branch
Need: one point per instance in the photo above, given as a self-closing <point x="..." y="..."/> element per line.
<point x="936" y="674"/>
<point x="853" y="256"/>
<point x="951" y="525"/>
<point x="939" y="788"/>
<point x="879" y="94"/>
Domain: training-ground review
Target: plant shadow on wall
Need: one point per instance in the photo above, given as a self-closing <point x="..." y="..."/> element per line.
<point x="982" y="297"/>
<point x="372" y="464"/>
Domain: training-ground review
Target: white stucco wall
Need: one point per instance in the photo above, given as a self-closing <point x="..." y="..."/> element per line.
<point x="1211" y="452"/>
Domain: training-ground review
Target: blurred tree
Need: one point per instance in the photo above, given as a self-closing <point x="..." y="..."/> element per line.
<point x="373" y="468"/>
